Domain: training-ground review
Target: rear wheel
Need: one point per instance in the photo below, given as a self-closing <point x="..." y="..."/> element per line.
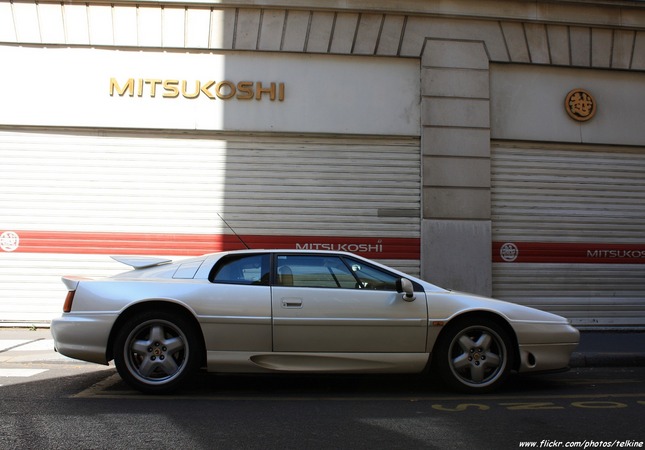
<point x="155" y="352"/>
<point x="474" y="355"/>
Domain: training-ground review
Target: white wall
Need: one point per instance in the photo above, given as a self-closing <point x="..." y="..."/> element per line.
<point x="527" y="103"/>
<point x="322" y="94"/>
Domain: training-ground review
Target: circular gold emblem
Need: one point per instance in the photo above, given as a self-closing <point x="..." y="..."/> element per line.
<point x="580" y="105"/>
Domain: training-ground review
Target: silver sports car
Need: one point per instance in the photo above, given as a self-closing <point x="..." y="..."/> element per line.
<point x="299" y="311"/>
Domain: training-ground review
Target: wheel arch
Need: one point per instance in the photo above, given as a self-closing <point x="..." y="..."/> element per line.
<point x="472" y="316"/>
<point x="155" y="305"/>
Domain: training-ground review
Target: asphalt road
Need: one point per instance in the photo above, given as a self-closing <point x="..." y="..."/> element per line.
<point x="50" y="402"/>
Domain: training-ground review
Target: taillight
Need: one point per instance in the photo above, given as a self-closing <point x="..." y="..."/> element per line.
<point x="67" y="306"/>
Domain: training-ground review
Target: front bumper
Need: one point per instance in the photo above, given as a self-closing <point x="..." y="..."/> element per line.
<point x="546" y="347"/>
<point x="545" y="357"/>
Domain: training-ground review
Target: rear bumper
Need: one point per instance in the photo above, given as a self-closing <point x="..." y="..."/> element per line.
<point x="84" y="337"/>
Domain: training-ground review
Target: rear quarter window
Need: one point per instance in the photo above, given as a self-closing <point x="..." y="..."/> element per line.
<point x="242" y="269"/>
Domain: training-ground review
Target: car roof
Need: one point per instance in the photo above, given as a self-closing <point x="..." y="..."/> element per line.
<point x="285" y="250"/>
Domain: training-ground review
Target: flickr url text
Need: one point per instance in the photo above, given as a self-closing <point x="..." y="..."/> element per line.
<point x="549" y="443"/>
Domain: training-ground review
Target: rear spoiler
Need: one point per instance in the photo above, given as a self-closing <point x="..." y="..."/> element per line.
<point x="71" y="283"/>
<point x="141" y="262"/>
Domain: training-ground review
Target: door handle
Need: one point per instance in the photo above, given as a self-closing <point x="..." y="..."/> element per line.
<point x="291" y="302"/>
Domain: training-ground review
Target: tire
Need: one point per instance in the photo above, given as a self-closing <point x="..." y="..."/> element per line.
<point x="474" y="355"/>
<point x="155" y="352"/>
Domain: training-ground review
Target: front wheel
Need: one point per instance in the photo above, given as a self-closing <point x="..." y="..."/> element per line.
<point x="474" y="355"/>
<point x="155" y="352"/>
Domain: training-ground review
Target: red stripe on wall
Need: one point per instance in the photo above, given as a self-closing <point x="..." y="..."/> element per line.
<point x="197" y="244"/>
<point x="571" y="253"/>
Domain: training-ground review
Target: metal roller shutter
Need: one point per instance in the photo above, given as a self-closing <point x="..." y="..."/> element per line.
<point x="69" y="197"/>
<point x="569" y="231"/>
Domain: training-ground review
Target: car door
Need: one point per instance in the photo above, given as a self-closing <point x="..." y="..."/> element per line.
<point x="321" y="304"/>
<point x="234" y="309"/>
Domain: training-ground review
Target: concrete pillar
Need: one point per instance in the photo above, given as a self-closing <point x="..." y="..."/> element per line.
<point x="455" y="114"/>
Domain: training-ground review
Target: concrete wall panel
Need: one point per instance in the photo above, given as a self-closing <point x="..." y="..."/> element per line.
<point x="247" y="29"/>
<point x="198" y="23"/>
<point x="125" y="26"/>
<point x="558" y="38"/>
<point x="455" y="112"/>
<point x="446" y="141"/>
<point x="295" y="32"/>
<point x="322" y="24"/>
<point x="623" y="49"/>
<point x="149" y="28"/>
<point x="457" y="203"/>
<point x="638" y="58"/>
<point x="271" y="30"/>
<point x="601" y="41"/>
<point x="390" y="36"/>
<point x="367" y="34"/>
<point x="455" y="54"/>
<point x="464" y="242"/>
<point x="580" y="39"/>
<point x="456" y="172"/>
<point x="455" y="83"/>
<point x="516" y="42"/>
<point x="342" y="40"/>
<point x="538" y="43"/>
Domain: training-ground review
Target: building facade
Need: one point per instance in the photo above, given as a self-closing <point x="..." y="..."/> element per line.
<point x="496" y="147"/>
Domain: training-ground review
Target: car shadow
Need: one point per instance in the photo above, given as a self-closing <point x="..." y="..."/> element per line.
<point x="337" y="386"/>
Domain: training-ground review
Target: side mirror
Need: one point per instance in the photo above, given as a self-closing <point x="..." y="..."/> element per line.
<point x="404" y="285"/>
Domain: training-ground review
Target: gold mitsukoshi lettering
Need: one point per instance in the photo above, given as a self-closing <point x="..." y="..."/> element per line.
<point x="223" y="90"/>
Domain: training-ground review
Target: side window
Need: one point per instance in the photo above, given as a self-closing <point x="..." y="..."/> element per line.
<point x="320" y="271"/>
<point x="246" y="269"/>
<point x="371" y="277"/>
